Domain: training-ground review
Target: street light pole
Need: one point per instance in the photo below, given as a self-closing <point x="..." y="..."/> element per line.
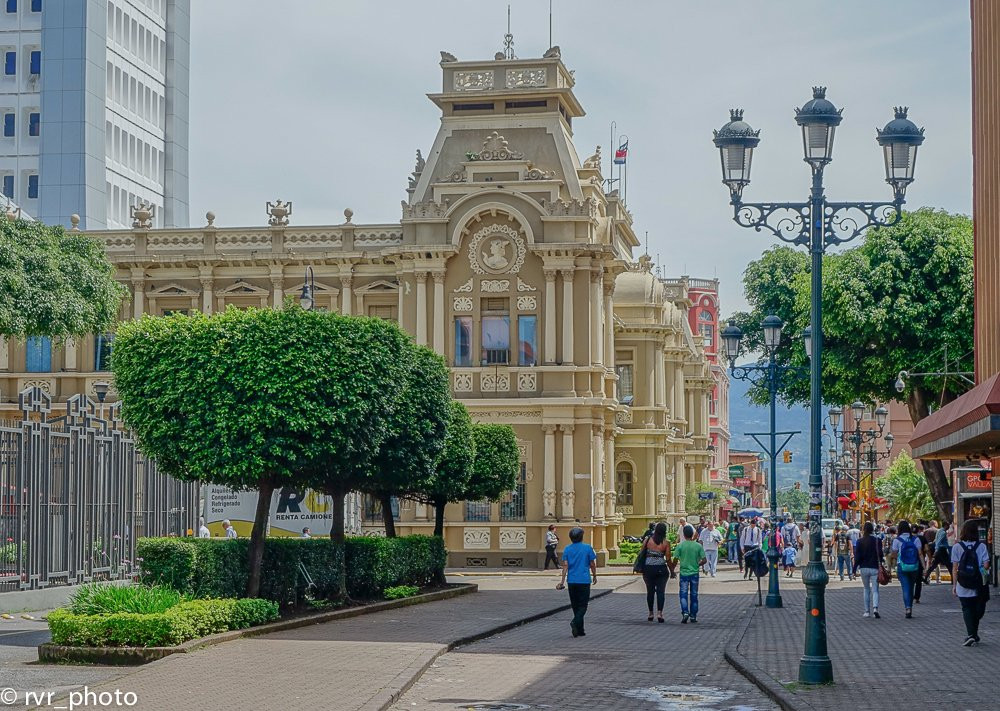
<point x="816" y="225"/>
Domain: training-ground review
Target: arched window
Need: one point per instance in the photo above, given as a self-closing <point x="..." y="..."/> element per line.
<point x="623" y="483"/>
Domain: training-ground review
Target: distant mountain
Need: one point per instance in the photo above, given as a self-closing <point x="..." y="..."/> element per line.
<point x="745" y="417"/>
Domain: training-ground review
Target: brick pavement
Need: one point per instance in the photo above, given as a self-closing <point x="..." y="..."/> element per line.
<point x="623" y="662"/>
<point x="358" y="663"/>
<point x="916" y="665"/>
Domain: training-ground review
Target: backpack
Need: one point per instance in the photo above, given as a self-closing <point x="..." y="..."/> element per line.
<point x="968" y="572"/>
<point x="909" y="556"/>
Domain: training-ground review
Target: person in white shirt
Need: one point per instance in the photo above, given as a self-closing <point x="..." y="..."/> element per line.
<point x="551" y="543"/>
<point x="306" y="533"/>
<point x="750" y="540"/>
<point x="230" y="531"/>
<point x="203" y="531"/>
<point x="973" y="599"/>
<point x="710" y="539"/>
<point x="791" y="533"/>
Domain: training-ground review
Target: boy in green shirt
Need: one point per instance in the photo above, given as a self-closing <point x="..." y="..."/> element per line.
<point x="691" y="555"/>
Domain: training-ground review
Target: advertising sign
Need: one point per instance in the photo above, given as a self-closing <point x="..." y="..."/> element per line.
<point x="706" y="495"/>
<point x="292" y="509"/>
<point x="742" y="481"/>
<point x="736" y="470"/>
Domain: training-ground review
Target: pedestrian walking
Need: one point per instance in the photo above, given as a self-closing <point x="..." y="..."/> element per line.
<point x="732" y="543"/>
<point x="845" y="552"/>
<point x="551" y="543"/>
<point x="306" y="532"/>
<point x="750" y="540"/>
<point x="691" y="556"/>
<point x="942" y="556"/>
<point x="867" y="558"/>
<point x="907" y="547"/>
<point x="971" y="561"/>
<point x="710" y="539"/>
<point x="579" y="572"/>
<point x="890" y="554"/>
<point x="655" y="572"/>
<point x="203" y="531"/>
<point x="918" y="586"/>
<point x="230" y="531"/>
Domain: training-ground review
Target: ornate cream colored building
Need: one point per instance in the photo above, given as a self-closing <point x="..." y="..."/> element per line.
<point x="512" y="262"/>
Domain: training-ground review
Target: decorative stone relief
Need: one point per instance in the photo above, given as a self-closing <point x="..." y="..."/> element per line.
<point x="462" y="303"/>
<point x="624" y="417"/>
<point x="473" y="81"/>
<point x="424" y="209"/>
<point x="496" y="249"/>
<point x="466" y="288"/>
<point x="513" y="539"/>
<point x="463" y="382"/>
<point x="527" y="382"/>
<point x="494" y="286"/>
<point x="572" y="208"/>
<point x="476" y="538"/>
<point x="512" y="562"/>
<point x="524" y="78"/>
<point x="568" y="498"/>
<point x="46" y="385"/>
<point x="526" y="303"/>
<point x="494" y="382"/>
<point x="523" y="286"/>
<point x="509" y="414"/>
<point x="549" y="502"/>
<point x="495" y="148"/>
<point x="533" y="173"/>
<point x="475" y="562"/>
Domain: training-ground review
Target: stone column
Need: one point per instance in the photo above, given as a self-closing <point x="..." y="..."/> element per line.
<point x="277" y="282"/>
<point x="70" y="352"/>
<point x="549" y="476"/>
<point x="680" y="486"/>
<point x="596" y="335"/>
<point x="346" y="300"/>
<point x="439" y="312"/>
<point x="549" y="350"/>
<point x="596" y="477"/>
<point x="662" y="497"/>
<point x="421" y="308"/>
<point x="609" y="324"/>
<point x="610" y="490"/>
<point x="658" y="375"/>
<point x="207" y="287"/>
<point x="567" y="493"/>
<point x="567" y="320"/>
<point x="138" y="293"/>
<point x="678" y="412"/>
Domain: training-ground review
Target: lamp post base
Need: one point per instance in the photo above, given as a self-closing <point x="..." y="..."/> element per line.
<point x="815" y="670"/>
<point x="773" y="594"/>
<point x="815" y="666"/>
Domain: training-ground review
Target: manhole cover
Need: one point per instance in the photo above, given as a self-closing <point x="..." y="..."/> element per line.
<point x="681" y="698"/>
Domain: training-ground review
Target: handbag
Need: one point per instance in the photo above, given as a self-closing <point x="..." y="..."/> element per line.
<point x="640" y="560"/>
<point x="884" y="576"/>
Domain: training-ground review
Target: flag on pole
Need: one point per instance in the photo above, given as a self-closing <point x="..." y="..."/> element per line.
<point x="621" y="154"/>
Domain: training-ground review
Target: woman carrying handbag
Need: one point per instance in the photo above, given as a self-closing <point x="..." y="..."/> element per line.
<point x="652" y="563"/>
<point x="868" y="561"/>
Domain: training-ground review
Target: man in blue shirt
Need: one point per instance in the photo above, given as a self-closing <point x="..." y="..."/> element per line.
<point x="579" y="567"/>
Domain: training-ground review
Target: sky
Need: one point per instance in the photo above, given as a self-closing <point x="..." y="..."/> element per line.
<point x="323" y="102"/>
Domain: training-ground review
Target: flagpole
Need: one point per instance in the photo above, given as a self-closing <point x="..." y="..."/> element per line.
<point x="624" y="169"/>
<point x="611" y="158"/>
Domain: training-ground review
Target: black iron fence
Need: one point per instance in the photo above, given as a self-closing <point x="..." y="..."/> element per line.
<point x="76" y="493"/>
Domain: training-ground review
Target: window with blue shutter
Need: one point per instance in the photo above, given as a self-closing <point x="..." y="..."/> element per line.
<point x="8" y="186"/>
<point x="38" y="355"/>
<point x="36" y="61"/>
<point x="34" y="119"/>
<point x="8" y="124"/>
<point x="36" y="5"/>
<point x="102" y="351"/>
<point x="11" y="5"/>
<point x="10" y="63"/>
<point x="33" y="186"/>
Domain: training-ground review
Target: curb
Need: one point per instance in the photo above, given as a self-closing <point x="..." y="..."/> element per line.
<point x="384" y="700"/>
<point x="135" y="656"/>
<point x="754" y="674"/>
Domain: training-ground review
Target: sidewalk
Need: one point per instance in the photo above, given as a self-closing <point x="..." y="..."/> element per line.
<point x="917" y="665"/>
<point x="363" y="663"/>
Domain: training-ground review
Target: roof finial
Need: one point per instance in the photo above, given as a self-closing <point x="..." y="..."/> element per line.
<point x="508" y="40"/>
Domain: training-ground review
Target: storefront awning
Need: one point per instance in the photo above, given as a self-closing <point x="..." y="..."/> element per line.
<point x="966" y="427"/>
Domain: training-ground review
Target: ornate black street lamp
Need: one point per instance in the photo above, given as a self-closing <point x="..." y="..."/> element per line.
<point x="817" y="224"/>
<point x="863" y="445"/>
<point x="307" y="299"/>
<point x="770" y="374"/>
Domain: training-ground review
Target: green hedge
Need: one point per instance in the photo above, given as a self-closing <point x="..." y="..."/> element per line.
<point x="208" y="567"/>
<point x="187" y="620"/>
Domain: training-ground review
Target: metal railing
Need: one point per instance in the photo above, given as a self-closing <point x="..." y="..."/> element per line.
<point x="75" y="494"/>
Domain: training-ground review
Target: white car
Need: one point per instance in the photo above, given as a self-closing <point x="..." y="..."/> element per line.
<point x="829" y="525"/>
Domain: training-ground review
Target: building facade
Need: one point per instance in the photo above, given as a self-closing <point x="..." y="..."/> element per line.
<point x="752" y="480"/>
<point x="510" y="261"/>
<point x="94" y="99"/>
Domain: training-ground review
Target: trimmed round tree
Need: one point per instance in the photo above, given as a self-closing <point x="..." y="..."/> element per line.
<point x="409" y="454"/>
<point x="255" y="399"/>
<point x="54" y="283"/>
<point x="450" y="479"/>
<point x="495" y="467"/>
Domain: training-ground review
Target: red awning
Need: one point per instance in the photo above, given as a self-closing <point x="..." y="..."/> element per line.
<point x="968" y="427"/>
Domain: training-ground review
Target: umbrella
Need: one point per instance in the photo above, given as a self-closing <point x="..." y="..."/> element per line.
<point x="751" y="513"/>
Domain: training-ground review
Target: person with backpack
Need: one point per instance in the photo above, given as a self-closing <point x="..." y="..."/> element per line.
<point x="908" y="550"/>
<point x="942" y="555"/>
<point x="971" y="560"/>
<point x="655" y="572"/>
<point x="867" y="559"/>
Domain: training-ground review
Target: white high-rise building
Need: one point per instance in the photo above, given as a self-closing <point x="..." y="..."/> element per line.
<point x="94" y="108"/>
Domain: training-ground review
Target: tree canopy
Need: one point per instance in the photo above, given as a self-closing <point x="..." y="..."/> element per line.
<point x="54" y="283"/>
<point x="258" y="398"/>
<point x="697" y="506"/>
<point x="899" y="301"/>
<point x="496" y="464"/>
<point x="796" y="501"/>
<point x="906" y="489"/>
<point x="449" y="481"/>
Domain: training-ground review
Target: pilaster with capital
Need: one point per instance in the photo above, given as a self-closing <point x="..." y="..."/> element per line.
<point x="610" y="490"/>
<point x="568" y="356"/>
<point x="662" y="495"/>
<point x="596" y="332"/>
<point x="138" y="292"/>
<point x="439" y="312"/>
<point x="346" y="299"/>
<point x="549" y="353"/>
<point x="277" y="286"/>
<point x="679" y="409"/>
<point x="549" y="475"/>
<point x="70" y="355"/>
<point x="597" y="478"/>
<point x="659" y="375"/>
<point x="567" y="493"/>
<point x="609" y="323"/>
<point x="421" y="308"/>
<point x="207" y="288"/>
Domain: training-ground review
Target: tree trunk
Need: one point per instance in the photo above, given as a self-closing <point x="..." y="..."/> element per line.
<point x="338" y="537"/>
<point x="390" y="523"/>
<point x="439" y="517"/>
<point x="937" y="479"/>
<point x="259" y="533"/>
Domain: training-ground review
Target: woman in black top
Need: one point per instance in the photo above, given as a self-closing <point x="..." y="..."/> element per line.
<point x="655" y="572"/>
<point x="867" y="559"/>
